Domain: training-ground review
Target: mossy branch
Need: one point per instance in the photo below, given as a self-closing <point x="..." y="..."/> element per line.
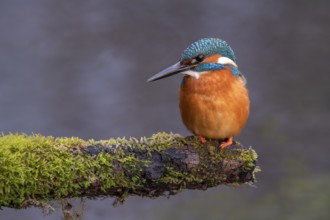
<point x="35" y="169"/>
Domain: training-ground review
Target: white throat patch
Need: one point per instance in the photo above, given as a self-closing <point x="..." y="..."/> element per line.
<point x="194" y="74"/>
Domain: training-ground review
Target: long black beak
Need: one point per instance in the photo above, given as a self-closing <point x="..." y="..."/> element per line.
<point x="169" y="71"/>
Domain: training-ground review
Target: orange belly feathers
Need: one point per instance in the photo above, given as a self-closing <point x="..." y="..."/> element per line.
<point x="214" y="106"/>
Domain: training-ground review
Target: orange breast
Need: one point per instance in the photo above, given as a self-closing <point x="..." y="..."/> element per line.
<point x="216" y="105"/>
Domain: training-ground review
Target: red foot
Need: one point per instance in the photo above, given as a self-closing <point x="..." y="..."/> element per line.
<point x="202" y="139"/>
<point x="227" y="142"/>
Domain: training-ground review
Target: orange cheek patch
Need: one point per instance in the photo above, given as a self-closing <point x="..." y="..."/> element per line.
<point x="186" y="62"/>
<point x="212" y="59"/>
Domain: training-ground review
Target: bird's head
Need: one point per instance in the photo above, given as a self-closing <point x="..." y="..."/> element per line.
<point x="201" y="57"/>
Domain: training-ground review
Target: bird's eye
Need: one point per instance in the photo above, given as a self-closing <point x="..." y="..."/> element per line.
<point x="200" y="58"/>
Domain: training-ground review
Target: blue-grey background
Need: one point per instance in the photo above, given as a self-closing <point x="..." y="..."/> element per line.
<point x="79" y="68"/>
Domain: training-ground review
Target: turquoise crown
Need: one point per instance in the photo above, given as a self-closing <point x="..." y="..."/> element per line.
<point x="207" y="47"/>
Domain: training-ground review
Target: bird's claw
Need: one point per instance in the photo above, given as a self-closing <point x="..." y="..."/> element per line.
<point x="202" y="139"/>
<point x="226" y="143"/>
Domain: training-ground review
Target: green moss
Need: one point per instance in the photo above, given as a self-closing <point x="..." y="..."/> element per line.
<point x="173" y="176"/>
<point x="248" y="156"/>
<point x="71" y="142"/>
<point x="38" y="167"/>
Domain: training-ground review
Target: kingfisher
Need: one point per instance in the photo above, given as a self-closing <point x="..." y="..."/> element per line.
<point x="214" y="101"/>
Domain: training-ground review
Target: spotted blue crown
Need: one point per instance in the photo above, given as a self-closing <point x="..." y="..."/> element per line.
<point x="207" y="47"/>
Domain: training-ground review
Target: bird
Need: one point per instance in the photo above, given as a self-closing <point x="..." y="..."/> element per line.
<point x="214" y="101"/>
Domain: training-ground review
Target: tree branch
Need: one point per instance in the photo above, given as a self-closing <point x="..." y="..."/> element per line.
<point x="35" y="169"/>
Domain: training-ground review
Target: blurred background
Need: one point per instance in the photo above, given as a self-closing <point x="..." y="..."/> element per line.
<point x="79" y="68"/>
